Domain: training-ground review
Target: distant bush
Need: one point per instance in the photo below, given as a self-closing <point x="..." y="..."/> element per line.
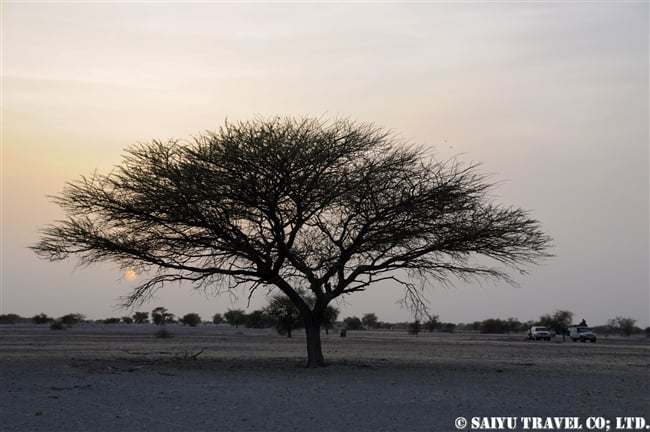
<point x="41" y="319"/>
<point x="9" y="319"/>
<point x="259" y="319"/>
<point x="432" y="323"/>
<point x="127" y="320"/>
<point x="57" y="325"/>
<point x="415" y="327"/>
<point x="163" y="333"/>
<point x="447" y="327"/>
<point x="111" y="321"/>
<point x="623" y="326"/>
<point x="72" y="319"/>
<point x="352" y="323"/>
<point x="191" y="319"/>
<point x="370" y="320"/>
<point x="217" y="318"/>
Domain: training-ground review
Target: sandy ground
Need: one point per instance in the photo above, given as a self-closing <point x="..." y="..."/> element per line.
<point x="121" y="378"/>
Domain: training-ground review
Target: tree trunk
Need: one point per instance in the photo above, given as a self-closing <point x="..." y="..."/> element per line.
<point x="314" y="350"/>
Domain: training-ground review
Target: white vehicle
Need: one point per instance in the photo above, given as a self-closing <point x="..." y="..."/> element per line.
<point x="539" y="333"/>
<point x="582" y="333"/>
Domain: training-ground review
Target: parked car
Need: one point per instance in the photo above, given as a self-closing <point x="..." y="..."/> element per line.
<point x="582" y="334"/>
<point x="539" y="333"/>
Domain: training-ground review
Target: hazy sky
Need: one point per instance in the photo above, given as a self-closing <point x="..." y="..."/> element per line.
<point x="551" y="97"/>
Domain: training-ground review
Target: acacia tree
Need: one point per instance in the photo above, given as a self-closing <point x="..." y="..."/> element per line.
<point x="559" y="321"/>
<point x="327" y="207"/>
<point x="235" y="317"/>
<point x="329" y="318"/>
<point x="285" y="312"/>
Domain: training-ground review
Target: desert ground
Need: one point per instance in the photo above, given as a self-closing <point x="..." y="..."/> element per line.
<point x="219" y="378"/>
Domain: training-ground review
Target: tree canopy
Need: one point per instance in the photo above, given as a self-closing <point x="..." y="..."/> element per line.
<point x="327" y="207"/>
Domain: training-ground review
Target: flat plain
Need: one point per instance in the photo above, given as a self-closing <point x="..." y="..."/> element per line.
<point x="220" y="378"/>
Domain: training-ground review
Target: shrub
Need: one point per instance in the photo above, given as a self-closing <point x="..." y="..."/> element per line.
<point x="352" y="323"/>
<point x="447" y="327"/>
<point x="415" y="327"/>
<point x="41" y="319"/>
<point x="72" y="319"/>
<point x="111" y="321"/>
<point x="9" y="319"/>
<point x="127" y="320"/>
<point x="370" y="321"/>
<point x="432" y="323"/>
<point x="217" y="318"/>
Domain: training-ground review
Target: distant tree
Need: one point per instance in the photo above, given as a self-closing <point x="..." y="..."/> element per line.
<point x="623" y="326"/>
<point x="41" y="319"/>
<point x="160" y="316"/>
<point x="111" y="320"/>
<point x="331" y="206"/>
<point x="217" y="318"/>
<point x="370" y="321"/>
<point x="559" y="321"/>
<point x="513" y="325"/>
<point x="447" y="327"/>
<point x="329" y="318"/>
<point x="259" y="319"/>
<point x="127" y="320"/>
<point x="191" y="319"/>
<point x="235" y="317"/>
<point x="493" y="326"/>
<point x="432" y="323"/>
<point x="647" y="331"/>
<point x="9" y="318"/>
<point x="352" y="323"/>
<point x="415" y="327"/>
<point x="286" y="314"/>
<point x="72" y="319"/>
<point x="141" y="317"/>
<point x="526" y="326"/>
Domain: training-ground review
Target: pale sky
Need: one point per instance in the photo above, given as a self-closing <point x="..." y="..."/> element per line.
<point x="551" y="97"/>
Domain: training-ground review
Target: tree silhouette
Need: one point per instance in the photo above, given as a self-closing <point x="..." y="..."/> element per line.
<point x="370" y="320"/>
<point x="141" y="317"/>
<point x="160" y="316"/>
<point x="235" y="317"/>
<point x="329" y="318"/>
<point x="329" y="207"/>
<point x="191" y="319"/>
<point x="286" y="314"/>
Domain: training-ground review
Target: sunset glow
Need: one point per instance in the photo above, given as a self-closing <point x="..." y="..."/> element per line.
<point x="551" y="97"/>
<point x="130" y="275"/>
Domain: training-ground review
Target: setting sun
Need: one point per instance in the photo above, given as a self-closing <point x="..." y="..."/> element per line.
<point x="130" y="275"/>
